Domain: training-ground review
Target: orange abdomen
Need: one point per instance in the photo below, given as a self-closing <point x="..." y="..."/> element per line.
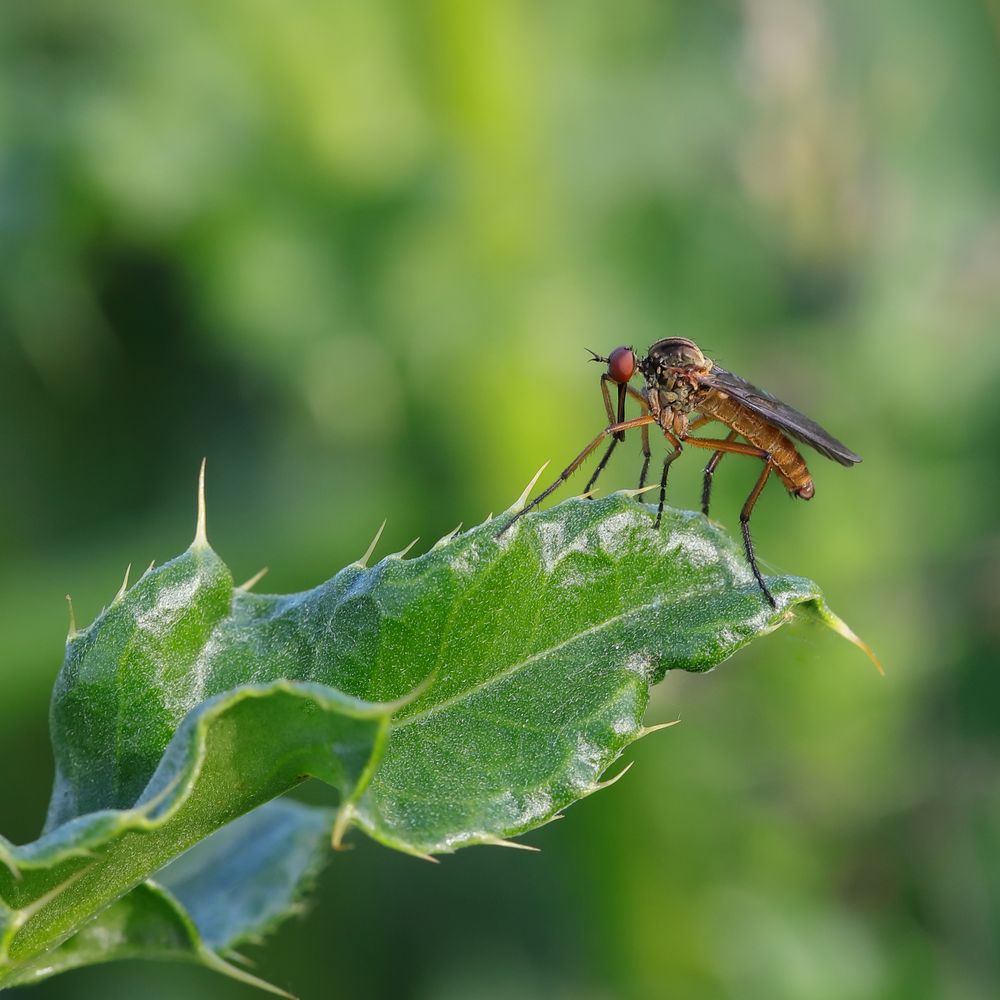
<point x="789" y="464"/>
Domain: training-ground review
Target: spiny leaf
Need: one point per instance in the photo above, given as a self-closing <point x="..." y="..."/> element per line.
<point x="246" y="878"/>
<point x="128" y="681"/>
<point x="543" y="653"/>
<point x="231" y="888"/>
<point x="147" y="923"/>
<point x="231" y="754"/>
<point x="517" y="670"/>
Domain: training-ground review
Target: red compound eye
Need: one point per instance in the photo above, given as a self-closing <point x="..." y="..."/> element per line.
<point x="621" y="364"/>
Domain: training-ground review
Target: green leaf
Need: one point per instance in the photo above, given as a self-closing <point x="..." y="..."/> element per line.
<point x="129" y="680"/>
<point x="543" y="651"/>
<point x="231" y="888"/>
<point x="234" y="752"/>
<point x="189" y="702"/>
<point x="249" y="876"/>
<point x="147" y="923"/>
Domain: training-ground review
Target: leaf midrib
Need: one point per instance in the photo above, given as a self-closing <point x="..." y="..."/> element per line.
<point x="515" y="667"/>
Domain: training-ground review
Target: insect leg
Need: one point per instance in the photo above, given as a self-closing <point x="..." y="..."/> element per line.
<point x="575" y="464"/>
<point x="713" y="462"/>
<point x="745" y="525"/>
<point x="620" y="435"/>
<point x="612" y="416"/>
<point x="646" y="453"/>
<point x="745" y="449"/>
<point x="700" y="422"/>
<point x="736" y="447"/>
<point x="667" y="462"/>
<point x="600" y="465"/>
<point x="675" y="454"/>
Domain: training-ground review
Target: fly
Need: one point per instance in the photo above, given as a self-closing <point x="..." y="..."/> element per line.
<point x="683" y="392"/>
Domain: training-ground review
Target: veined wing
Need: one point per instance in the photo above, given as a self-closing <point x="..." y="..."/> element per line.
<point x="783" y="416"/>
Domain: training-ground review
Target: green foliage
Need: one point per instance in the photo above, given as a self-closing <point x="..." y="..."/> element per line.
<point x="229" y="889"/>
<point x="460" y="697"/>
<point x="212" y="212"/>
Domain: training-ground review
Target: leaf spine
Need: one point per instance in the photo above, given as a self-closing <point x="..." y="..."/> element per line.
<point x="445" y="539"/>
<point x="72" y="633"/>
<point x="401" y="554"/>
<point x="200" y="531"/>
<point x="523" y="498"/>
<point x="599" y="785"/>
<point x="513" y="843"/>
<point x="843" y="629"/>
<point x="124" y="587"/>
<point x="646" y="730"/>
<point x="363" y="561"/>
<point x="254" y="580"/>
<point x="340" y="825"/>
<point x="639" y="491"/>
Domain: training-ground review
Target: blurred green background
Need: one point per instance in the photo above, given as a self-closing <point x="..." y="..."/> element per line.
<point x="354" y="252"/>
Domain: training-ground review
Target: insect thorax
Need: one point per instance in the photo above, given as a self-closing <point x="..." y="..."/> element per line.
<point x="672" y="369"/>
<point x="675" y="392"/>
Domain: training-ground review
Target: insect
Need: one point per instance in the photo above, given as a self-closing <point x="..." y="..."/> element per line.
<point x="683" y="392"/>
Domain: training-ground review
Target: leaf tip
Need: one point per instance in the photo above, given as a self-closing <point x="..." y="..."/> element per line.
<point x="201" y="526"/>
<point x="363" y="561"/>
<point x="842" y="628"/>
<point x="838" y="625"/>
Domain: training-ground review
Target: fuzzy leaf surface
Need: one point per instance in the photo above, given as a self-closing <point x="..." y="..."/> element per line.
<point x="230" y="889"/>
<point x="463" y="696"/>
<point x="544" y="648"/>
<point x="231" y="754"/>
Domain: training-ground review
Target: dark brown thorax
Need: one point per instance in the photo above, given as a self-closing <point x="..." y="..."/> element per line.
<point x="673" y="369"/>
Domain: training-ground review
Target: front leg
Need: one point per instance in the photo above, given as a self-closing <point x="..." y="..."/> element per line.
<point x="613" y="416"/>
<point x="623" y="388"/>
<point x="575" y="464"/>
<point x="667" y="462"/>
<point x="640" y="398"/>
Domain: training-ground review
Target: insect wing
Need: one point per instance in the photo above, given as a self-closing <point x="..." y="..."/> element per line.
<point x="780" y="414"/>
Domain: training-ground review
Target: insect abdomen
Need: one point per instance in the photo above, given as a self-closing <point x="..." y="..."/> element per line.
<point x="788" y="463"/>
